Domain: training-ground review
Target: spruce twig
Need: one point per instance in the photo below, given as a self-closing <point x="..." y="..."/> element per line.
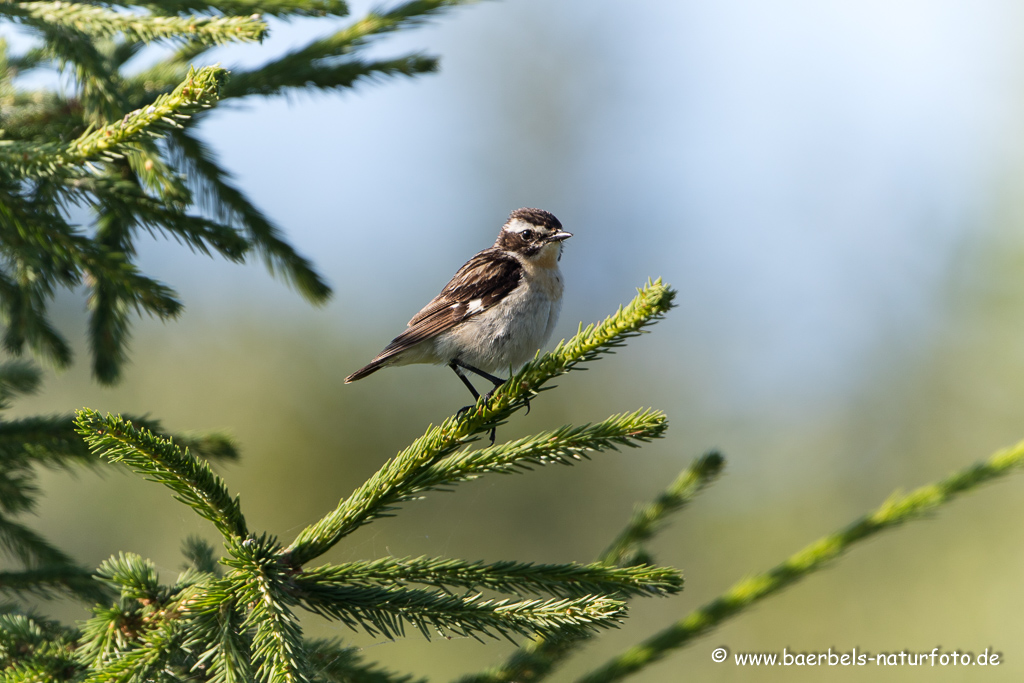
<point x="385" y="490"/>
<point x="109" y="142"/>
<point x="34" y="649"/>
<point x="160" y="460"/>
<point x="52" y="441"/>
<point x="328" y="63"/>
<point x="101" y="22"/>
<point x="536" y="659"/>
<point x="385" y="611"/>
<point x="275" y="8"/>
<point x="563" y="446"/>
<point x="260" y="584"/>
<point x="560" y="580"/>
<point x="49" y="581"/>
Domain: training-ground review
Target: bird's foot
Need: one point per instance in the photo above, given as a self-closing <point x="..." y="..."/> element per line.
<point x="464" y="409"/>
<point x="489" y="394"/>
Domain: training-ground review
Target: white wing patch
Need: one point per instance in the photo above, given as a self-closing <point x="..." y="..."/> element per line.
<point x="475" y="305"/>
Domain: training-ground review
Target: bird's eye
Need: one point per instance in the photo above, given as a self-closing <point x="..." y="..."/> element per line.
<point x="527" y="235"/>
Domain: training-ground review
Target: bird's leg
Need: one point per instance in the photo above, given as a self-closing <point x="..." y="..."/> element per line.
<point x="454" y="365"/>
<point x="496" y="381"/>
<point x="469" y="385"/>
<point x="457" y="366"/>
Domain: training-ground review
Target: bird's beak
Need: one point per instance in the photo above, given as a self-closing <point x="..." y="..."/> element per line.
<point x="559" y="236"/>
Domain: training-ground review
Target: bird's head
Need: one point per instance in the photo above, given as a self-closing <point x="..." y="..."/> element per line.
<point x="534" y="235"/>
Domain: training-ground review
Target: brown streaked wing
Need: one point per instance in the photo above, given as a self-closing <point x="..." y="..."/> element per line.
<point x="488" y="276"/>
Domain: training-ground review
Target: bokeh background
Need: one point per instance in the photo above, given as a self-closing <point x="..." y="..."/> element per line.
<point x="836" y="191"/>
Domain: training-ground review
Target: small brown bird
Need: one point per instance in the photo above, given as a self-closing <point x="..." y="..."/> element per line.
<point x="497" y="311"/>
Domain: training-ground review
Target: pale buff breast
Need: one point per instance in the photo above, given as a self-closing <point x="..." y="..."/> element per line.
<point x="511" y="332"/>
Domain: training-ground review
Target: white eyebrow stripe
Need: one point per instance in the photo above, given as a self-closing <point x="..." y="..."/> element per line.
<point x="519" y="225"/>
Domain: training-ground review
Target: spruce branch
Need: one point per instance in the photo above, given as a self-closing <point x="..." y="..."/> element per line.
<point x="200" y="556"/>
<point x="160" y="460"/>
<point x="109" y="323"/>
<point x="899" y="508"/>
<point x="130" y="205"/>
<point x="560" y="580"/>
<point x="164" y="76"/>
<point x="101" y="22"/>
<point x="653" y="300"/>
<point x="409" y="471"/>
<point x="33" y="649"/>
<point x="131" y="575"/>
<point x="316" y="64"/>
<point x="55" y="255"/>
<point x="564" y="446"/>
<point x="49" y="581"/>
<point x="17" y="65"/>
<point x="277" y="79"/>
<point x="147" y="661"/>
<point x="144" y="164"/>
<point x="386" y="611"/>
<point x="112" y="141"/>
<point x="401" y="16"/>
<point x="536" y="659"/>
<point x="222" y="632"/>
<point x="285" y="9"/>
<point x="52" y="441"/>
<point x="392" y="485"/>
<point x="28" y="281"/>
<point x="110" y="630"/>
<point x="260" y="584"/>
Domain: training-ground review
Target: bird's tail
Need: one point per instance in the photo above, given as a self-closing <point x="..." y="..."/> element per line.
<point x="373" y="367"/>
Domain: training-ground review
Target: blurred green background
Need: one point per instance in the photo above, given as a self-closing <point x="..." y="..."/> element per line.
<point x="836" y="191"/>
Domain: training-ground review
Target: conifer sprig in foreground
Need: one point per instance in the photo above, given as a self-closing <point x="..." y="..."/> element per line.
<point x="537" y="658"/>
<point x="50" y="441"/>
<point x="245" y="621"/>
<point x="29" y="160"/>
<point x="561" y="580"/>
<point x="100" y="22"/>
<point x="160" y="460"/>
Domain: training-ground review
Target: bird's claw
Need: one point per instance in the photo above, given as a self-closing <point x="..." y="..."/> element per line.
<point x="464" y="409"/>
